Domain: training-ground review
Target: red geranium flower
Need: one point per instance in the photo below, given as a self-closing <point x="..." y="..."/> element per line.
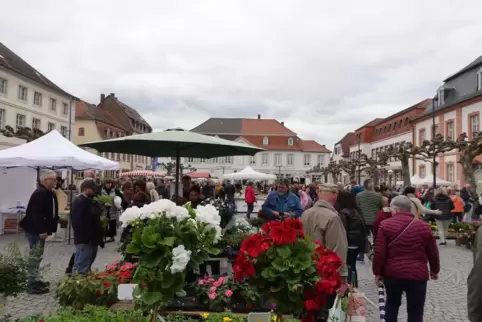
<point x="243" y="267"/>
<point x="281" y="234"/>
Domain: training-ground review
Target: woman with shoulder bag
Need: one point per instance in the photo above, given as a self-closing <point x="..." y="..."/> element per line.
<point x="404" y="247"/>
<point x="354" y="224"/>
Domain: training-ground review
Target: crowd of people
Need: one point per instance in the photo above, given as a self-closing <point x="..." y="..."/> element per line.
<point x="351" y="220"/>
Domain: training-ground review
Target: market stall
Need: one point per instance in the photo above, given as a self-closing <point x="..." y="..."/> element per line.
<point x="21" y="163"/>
<point x="249" y="173"/>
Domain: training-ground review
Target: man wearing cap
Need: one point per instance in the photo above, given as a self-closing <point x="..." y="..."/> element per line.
<point x="323" y="224"/>
<point x="85" y="215"/>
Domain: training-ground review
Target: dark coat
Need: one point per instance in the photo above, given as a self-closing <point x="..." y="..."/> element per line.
<point x="443" y="203"/>
<point x="42" y="215"/>
<point x="355" y="227"/>
<point x="85" y="215"/>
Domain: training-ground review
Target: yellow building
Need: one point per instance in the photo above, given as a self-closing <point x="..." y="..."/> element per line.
<point x="110" y="119"/>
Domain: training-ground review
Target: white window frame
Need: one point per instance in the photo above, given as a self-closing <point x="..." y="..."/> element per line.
<point x="35" y="96"/>
<point x="479" y="80"/>
<point x="21" y="91"/>
<point x="441" y="96"/>
<point x="477" y="123"/>
<point x="3" y="86"/>
<point x="2" y="117"/>
<point x="265" y="140"/>
<point x="290" y="159"/>
<point x="65" y="109"/>
<point x="320" y="160"/>
<point x="307" y="160"/>
<point x="265" y="159"/>
<point x="252" y="159"/>
<point x="20" y="118"/>
<point x="53" y="105"/>
<point x="51" y="126"/>
<point x="450" y="132"/>
<point x="63" y="129"/>
<point x="450" y="172"/>
<point x="277" y="159"/>
<point x="38" y="126"/>
<point x="291" y="141"/>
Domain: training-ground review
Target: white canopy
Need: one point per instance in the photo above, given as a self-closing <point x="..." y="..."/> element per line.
<point x="54" y="151"/>
<point x="249" y="173"/>
<point x="428" y="179"/>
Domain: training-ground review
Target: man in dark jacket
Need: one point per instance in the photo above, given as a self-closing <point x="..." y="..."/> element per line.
<point x="85" y="215"/>
<point x="230" y="191"/>
<point x="40" y="221"/>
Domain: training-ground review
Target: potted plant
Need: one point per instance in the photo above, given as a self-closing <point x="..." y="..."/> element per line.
<point x="63" y="221"/>
<point x="13" y="274"/>
<point x="168" y="242"/>
<point x="288" y="269"/>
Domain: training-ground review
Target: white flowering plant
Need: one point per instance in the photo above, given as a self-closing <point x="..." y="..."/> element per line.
<point x="168" y="241"/>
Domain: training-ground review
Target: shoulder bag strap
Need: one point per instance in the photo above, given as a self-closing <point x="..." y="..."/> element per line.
<point x="404" y="230"/>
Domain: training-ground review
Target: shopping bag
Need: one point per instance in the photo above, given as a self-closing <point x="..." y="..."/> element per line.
<point x="337" y="313"/>
<point x="356" y="307"/>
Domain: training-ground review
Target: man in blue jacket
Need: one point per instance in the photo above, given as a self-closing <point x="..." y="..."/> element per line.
<point x="282" y="204"/>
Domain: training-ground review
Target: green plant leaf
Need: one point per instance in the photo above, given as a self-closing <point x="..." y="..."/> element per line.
<point x="132" y="249"/>
<point x="168" y="241"/>
<point x="151" y="298"/>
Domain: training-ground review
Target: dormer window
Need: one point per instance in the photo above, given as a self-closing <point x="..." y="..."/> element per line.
<point x="479" y="80"/>
<point x="441" y="96"/>
<point x="265" y="140"/>
<point x="290" y="141"/>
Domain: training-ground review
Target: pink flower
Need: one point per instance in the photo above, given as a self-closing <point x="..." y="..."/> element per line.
<point x="217" y="284"/>
<point x="221" y="280"/>
<point x="212" y="289"/>
<point x="212" y="296"/>
<point x="200" y="282"/>
<point x="111" y="267"/>
<point x="210" y="280"/>
<point x="127" y="267"/>
<point x="228" y="293"/>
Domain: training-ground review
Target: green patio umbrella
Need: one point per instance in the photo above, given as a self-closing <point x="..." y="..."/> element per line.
<point x="174" y="143"/>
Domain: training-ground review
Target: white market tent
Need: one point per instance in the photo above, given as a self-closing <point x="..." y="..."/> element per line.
<point x="249" y="173"/>
<point x="56" y="152"/>
<point x="416" y="180"/>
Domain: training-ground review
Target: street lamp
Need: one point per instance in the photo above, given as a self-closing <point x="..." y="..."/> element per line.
<point x="434" y="103"/>
<point x="390" y="173"/>
<point x="358" y="136"/>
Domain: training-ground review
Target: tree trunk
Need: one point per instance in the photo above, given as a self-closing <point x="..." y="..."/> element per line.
<point x="405" y="170"/>
<point x="468" y="169"/>
<point x="333" y="176"/>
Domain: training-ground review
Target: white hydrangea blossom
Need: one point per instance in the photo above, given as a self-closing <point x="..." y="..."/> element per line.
<point x="209" y="215"/>
<point x="180" y="258"/>
<point x="163" y="207"/>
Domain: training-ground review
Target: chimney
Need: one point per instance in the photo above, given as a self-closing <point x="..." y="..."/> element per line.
<point x="283" y="123"/>
<point x="259" y="116"/>
<point x="102" y="97"/>
<point x="113" y="95"/>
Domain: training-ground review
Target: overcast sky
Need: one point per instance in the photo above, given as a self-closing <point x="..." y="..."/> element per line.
<point x="323" y="67"/>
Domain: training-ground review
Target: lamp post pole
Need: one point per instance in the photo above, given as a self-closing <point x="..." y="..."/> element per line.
<point x="358" y="158"/>
<point x="434" y="102"/>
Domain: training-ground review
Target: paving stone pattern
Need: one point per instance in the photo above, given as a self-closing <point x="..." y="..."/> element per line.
<point x="446" y="298"/>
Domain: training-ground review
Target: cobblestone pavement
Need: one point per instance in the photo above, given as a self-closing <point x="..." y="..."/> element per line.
<point x="446" y="298"/>
<point x="56" y="257"/>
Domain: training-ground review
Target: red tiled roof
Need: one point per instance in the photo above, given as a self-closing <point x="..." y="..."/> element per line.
<point x="313" y="146"/>
<point x="264" y="127"/>
<point x="348" y="140"/>
<point x="371" y="123"/>
<point x="274" y="142"/>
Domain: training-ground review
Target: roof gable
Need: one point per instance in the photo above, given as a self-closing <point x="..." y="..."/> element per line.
<point x="264" y="127"/>
<point x="13" y="62"/>
<point x="84" y="110"/>
<point x="313" y="146"/>
<point x="476" y="63"/>
<point x="229" y="126"/>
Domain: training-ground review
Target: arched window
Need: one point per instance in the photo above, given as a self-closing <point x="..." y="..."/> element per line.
<point x="265" y="140"/>
<point x="290" y="141"/>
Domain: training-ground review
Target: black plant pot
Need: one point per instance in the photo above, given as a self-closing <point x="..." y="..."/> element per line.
<point x="187" y="304"/>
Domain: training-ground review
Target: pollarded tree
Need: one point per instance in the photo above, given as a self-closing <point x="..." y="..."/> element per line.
<point x="372" y="166"/>
<point x="24" y="133"/>
<point x="171" y="168"/>
<point x="352" y="167"/>
<point x="469" y="149"/>
<point x="334" y="169"/>
<point x="403" y="152"/>
<point x="432" y="148"/>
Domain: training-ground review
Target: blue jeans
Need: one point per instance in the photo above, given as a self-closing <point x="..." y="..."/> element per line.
<point x="85" y="255"/>
<point x="36" y="246"/>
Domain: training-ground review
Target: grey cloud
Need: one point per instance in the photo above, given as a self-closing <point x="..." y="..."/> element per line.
<point x="321" y="68"/>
